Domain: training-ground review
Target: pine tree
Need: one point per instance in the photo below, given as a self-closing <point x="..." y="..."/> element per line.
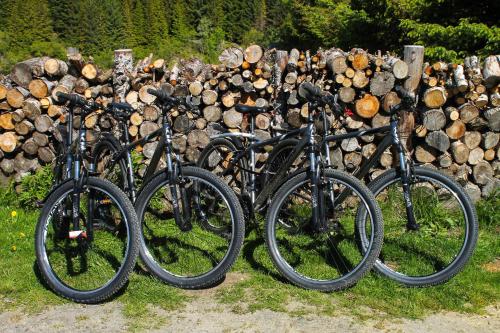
<point x="140" y="24"/>
<point x="128" y="24"/>
<point x="181" y="27"/>
<point x="158" y="26"/>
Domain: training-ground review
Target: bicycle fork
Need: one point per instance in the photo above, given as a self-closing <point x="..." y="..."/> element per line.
<point x="405" y="180"/>
<point x="319" y="223"/>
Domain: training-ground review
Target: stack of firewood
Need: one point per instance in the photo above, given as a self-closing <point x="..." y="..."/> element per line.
<point x="458" y="119"/>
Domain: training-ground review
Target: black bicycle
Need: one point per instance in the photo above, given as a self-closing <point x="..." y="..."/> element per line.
<point x="87" y="236"/>
<point x="311" y="236"/>
<point x="430" y="223"/>
<point x="175" y="205"/>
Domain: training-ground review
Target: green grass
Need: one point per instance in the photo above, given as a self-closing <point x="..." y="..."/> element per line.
<point x="262" y="288"/>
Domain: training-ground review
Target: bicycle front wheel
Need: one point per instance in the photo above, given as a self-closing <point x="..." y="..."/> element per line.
<point x="194" y="255"/>
<point x="91" y="262"/>
<point x="330" y="258"/>
<point x="448" y="228"/>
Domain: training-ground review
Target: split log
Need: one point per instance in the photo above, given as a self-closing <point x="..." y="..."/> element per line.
<point x="3" y="91"/>
<point x="460" y="152"/>
<point x="425" y="154"/>
<point x="380" y="120"/>
<point x="459" y="78"/>
<point x="389" y="100"/>
<point x="198" y="138"/>
<point x="475" y="156"/>
<point x="16" y="96"/>
<point x="493" y="117"/>
<point x="482" y="173"/>
<point x="367" y="106"/>
<point x="472" y="139"/>
<point x="40" y="139"/>
<point x="435" y="97"/>
<point x="55" y="67"/>
<point x="438" y="140"/>
<point x="491" y="71"/>
<point x="382" y="83"/>
<point x="434" y="119"/>
<point x="228" y="100"/>
<point x="293" y="59"/>
<point x="6" y="121"/>
<point x="468" y="112"/>
<point x="360" y="80"/>
<point x="43" y="123"/>
<point x="24" y="127"/>
<point x="8" y="142"/>
<point x="456" y="130"/>
<point x="368" y="150"/>
<point x="231" y="57"/>
<point x="490" y="140"/>
<point x="421" y="131"/>
<point x="46" y="154"/>
<point x="147" y="127"/>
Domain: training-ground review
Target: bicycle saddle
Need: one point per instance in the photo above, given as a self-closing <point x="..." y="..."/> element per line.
<point x="253" y="110"/>
<point x="122" y="107"/>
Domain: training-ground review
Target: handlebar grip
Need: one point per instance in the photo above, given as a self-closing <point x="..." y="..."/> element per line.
<point x="72" y="98"/>
<point x="160" y="94"/>
<point x="404" y="94"/>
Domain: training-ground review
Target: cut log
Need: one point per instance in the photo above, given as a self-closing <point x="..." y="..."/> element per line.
<point x="18" y="115"/>
<point x="347" y="94"/>
<point x="228" y="100"/>
<point x="490" y="140"/>
<point x="336" y="62"/>
<point x="40" y="88"/>
<point x="493" y="117"/>
<point x="390" y="99"/>
<point x="24" y="127"/>
<point x="349" y="145"/>
<point x="293" y="59"/>
<point x="179" y="142"/>
<point x="368" y="150"/>
<point x="491" y="71"/>
<point x="262" y="121"/>
<point x="294" y="118"/>
<point x="253" y="54"/>
<point x="360" y="60"/>
<point x="8" y="142"/>
<point x="40" y="139"/>
<point x="136" y="119"/>
<point x="482" y="173"/>
<point x="46" y="154"/>
<point x="382" y="83"/>
<point x="349" y="73"/>
<point x="151" y="113"/>
<point x="54" y="111"/>
<point x="7" y="166"/>
<point x="456" y="130"/>
<point x="200" y="123"/>
<point x="352" y="160"/>
<point x="231" y="57"/>
<point x="133" y="130"/>
<point x="367" y="106"/>
<point x="434" y="119"/>
<point x="438" y="140"/>
<point x="360" y="80"/>
<point x="90" y="71"/>
<point x="55" y="67"/>
<point x="32" y="108"/>
<point x="209" y="97"/>
<point x="232" y="118"/>
<point x="30" y="147"/>
<point x="472" y="139"/>
<point x="398" y="67"/>
<point x="291" y="78"/>
<point x="6" y="121"/>
<point x="481" y="101"/>
<point x="452" y="113"/>
<point x="468" y="112"/>
<point x="260" y="83"/>
<point x="147" y="127"/>
<point x="16" y="96"/>
<point x="144" y="96"/>
<point x="43" y="123"/>
<point x="445" y="160"/>
<point x="435" y="97"/>
<point x="195" y="88"/>
<point x="475" y="156"/>
<point x="3" y="91"/>
<point x="212" y="113"/>
<point x="421" y="131"/>
<point x="460" y="152"/>
<point x="198" y="139"/>
<point x="489" y="155"/>
<point x="425" y="154"/>
<point x="22" y="73"/>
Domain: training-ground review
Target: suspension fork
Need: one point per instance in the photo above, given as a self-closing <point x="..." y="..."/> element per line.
<point x="328" y="162"/>
<point x="411" y="223"/>
<point x="253" y="186"/>
<point x="130" y="172"/>
<point x="183" y="221"/>
<point x="317" y="197"/>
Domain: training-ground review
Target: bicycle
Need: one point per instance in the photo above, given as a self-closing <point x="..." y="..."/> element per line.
<point x="175" y="205"/>
<point x="87" y="235"/>
<point x="310" y="236"/>
<point x="430" y="223"/>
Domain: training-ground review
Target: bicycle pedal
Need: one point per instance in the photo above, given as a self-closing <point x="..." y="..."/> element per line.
<point x="77" y="234"/>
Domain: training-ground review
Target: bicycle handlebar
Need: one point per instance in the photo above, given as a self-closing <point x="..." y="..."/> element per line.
<point x="315" y="94"/>
<point x="77" y="100"/>
<point x="165" y="98"/>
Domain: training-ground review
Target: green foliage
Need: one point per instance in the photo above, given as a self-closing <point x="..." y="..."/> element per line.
<point x="488" y="210"/>
<point x="35" y="187"/>
<point x="450" y="30"/>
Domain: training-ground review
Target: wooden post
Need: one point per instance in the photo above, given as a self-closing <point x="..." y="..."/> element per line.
<point x="414" y="58"/>
<point x="123" y="65"/>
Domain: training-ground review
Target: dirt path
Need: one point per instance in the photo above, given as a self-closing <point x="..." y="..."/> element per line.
<point x="203" y="315"/>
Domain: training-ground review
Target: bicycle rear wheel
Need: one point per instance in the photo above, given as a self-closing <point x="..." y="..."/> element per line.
<point x="91" y="265"/>
<point x="329" y="259"/>
<point x="195" y="256"/>
<point x="448" y="228"/>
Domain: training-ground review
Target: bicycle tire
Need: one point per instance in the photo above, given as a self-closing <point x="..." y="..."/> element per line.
<point x="396" y="258"/>
<point x="178" y="245"/>
<point x="290" y="264"/>
<point x="130" y="223"/>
